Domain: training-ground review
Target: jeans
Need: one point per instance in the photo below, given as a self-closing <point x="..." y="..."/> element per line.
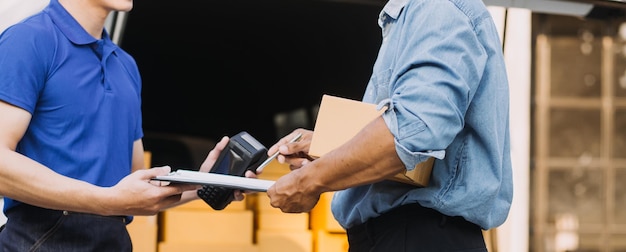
<point x="412" y="228"/>
<point x="30" y="228"/>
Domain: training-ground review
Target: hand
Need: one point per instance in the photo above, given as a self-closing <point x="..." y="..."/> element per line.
<point x="212" y="158"/>
<point x="239" y="194"/>
<point x="135" y="194"/>
<point x="296" y="153"/>
<point x="214" y="154"/>
<point x="289" y="194"/>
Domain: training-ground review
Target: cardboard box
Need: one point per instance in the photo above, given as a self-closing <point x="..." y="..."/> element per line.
<point x="143" y="232"/>
<point x="284" y="241"/>
<point x="205" y="247"/>
<point x="274" y="170"/>
<point x="147" y="159"/>
<point x="340" y="119"/>
<point x="283" y="221"/>
<point x="263" y="204"/>
<point x="322" y="217"/>
<point x="196" y="226"/>
<point x="326" y="242"/>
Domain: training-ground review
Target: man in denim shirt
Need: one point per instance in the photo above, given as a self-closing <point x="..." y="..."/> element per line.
<point x="441" y="75"/>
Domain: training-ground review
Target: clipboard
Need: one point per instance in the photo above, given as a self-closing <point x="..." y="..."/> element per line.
<point x="206" y="178"/>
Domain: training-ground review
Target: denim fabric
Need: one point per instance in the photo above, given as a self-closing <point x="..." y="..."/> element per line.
<point x="30" y="228"/>
<point x="440" y="72"/>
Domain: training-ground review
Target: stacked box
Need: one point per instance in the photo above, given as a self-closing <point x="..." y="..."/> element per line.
<point x="143" y="230"/>
<point x="330" y="242"/>
<point x="207" y="226"/>
<point x="329" y="235"/>
<point x="204" y="247"/>
<point x="322" y="218"/>
<point x="252" y="225"/>
<point x="196" y="226"/>
<point x="278" y="231"/>
<point x="285" y="241"/>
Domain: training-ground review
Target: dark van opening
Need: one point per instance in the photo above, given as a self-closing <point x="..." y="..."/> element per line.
<point x="215" y="68"/>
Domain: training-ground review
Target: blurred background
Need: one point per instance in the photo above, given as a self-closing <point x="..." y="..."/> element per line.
<point x="215" y="68"/>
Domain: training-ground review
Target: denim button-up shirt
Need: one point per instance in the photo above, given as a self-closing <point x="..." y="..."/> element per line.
<point x="441" y="75"/>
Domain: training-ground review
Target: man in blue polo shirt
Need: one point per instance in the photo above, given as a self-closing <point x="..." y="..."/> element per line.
<point x="71" y="155"/>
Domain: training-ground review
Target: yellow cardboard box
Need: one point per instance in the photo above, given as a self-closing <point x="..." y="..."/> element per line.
<point x="205" y="247"/>
<point x="263" y="204"/>
<point x="327" y="242"/>
<point x="340" y="119"/>
<point x="196" y="226"/>
<point x="284" y="241"/>
<point x="322" y="218"/>
<point x="283" y="221"/>
<point x="143" y="232"/>
<point x="274" y="170"/>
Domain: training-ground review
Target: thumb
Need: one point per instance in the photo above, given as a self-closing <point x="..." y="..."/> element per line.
<point x="157" y="171"/>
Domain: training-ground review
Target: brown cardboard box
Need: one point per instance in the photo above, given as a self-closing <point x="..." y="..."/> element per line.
<point x="283" y="221"/>
<point x="322" y="218"/>
<point x="143" y="232"/>
<point x="284" y="241"/>
<point x="263" y="204"/>
<point x="327" y="242"/>
<point x="197" y="226"/>
<point x="340" y="119"/>
<point x="274" y="170"/>
<point x="205" y="247"/>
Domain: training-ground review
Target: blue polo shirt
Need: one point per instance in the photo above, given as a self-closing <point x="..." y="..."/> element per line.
<point x="84" y="96"/>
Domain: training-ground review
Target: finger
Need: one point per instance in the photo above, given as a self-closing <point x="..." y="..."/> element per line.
<point x="159" y="182"/>
<point x="285" y="140"/>
<point x="250" y="174"/>
<point x="172" y="199"/>
<point x="238" y="195"/>
<point x="180" y="188"/>
<point x="148" y="174"/>
<point x="298" y="164"/>
<point x="214" y="154"/>
<point x="285" y="154"/>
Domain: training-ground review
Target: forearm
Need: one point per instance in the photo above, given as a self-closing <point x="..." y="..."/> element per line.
<point x="25" y="180"/>
<point x="368" y="157"/>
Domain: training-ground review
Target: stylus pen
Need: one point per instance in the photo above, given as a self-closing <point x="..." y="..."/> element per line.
<point x="273" y="156"/>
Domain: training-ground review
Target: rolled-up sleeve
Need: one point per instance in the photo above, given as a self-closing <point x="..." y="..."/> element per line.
<point x="434" y="79"/>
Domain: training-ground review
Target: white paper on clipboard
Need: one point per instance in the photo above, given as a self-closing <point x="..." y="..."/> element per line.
<point x="205" y="178"/>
